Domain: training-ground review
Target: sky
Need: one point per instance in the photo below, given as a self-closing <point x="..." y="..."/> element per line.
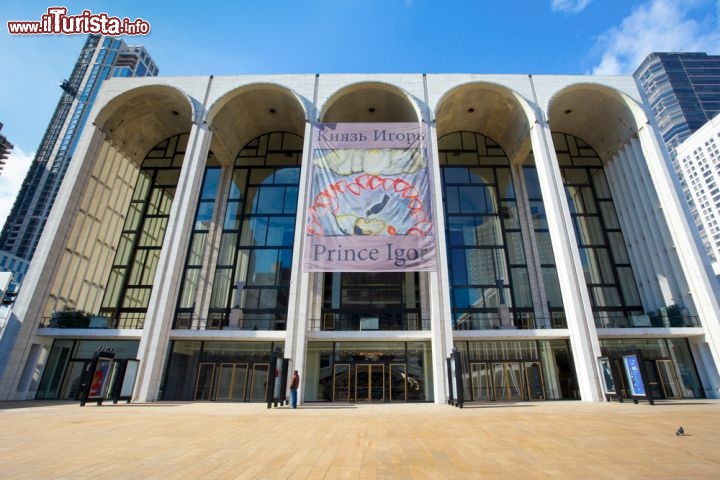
<point x="608" y="37"/>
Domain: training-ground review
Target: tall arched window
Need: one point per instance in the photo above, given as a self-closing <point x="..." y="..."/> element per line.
<point x="254" y="263"/>
<point x="486" y="257"/>
<point x="133" y="271"/>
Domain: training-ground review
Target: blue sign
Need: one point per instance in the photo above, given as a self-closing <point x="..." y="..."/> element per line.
<point x="632" y="368"/>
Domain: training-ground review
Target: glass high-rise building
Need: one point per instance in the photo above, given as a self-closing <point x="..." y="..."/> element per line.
<point x="102" y="57"/>
<point x="681" y="90"/>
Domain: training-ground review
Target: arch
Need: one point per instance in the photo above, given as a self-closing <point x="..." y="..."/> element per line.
<point x="493" y="110"/>
<point x="370" y="102"/>
<point x="250" y="111"/>
<point x="604" y="117"/>
<point x="138" y="119"/>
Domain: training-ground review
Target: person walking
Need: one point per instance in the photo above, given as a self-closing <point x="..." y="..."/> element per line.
<point x="294" y="388"/>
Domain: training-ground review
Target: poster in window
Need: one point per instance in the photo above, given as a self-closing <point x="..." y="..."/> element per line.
<point x="100" y="378"/>
<point x="608" y="382"/>
<point x="632" y="369"/>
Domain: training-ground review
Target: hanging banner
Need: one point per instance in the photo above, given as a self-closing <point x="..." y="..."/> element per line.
<point x="370" y="203"/>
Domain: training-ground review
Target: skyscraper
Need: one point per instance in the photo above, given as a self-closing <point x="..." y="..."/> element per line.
<point x="5" y="148"/>
<point x="101" y="57"/>
<point x="682" y="92"/>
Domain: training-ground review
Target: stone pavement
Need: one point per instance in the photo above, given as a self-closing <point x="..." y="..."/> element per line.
<point x="558" y="440"/>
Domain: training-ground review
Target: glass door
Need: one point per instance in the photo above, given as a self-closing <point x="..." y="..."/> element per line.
<point x="480" y="382"/>
<point x="398" y="382"/>
<point x="369" y="383"/>
<point x="231" y="381"/>
<point x="73" y="378"/>
<point x="668" y="379"/>
<point x="204" y="383"/>
<point x="534" y="381"/>
<point x="507" y="381"/>
<point x="341" y="382"/>
<point x="259" y="382"/>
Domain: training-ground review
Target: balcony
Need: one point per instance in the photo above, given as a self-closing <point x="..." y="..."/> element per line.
<point x="515" y="321"/>
<point x="80" y="319"/>
<point x="662" y="319"/>
<point x="354" y="322"/>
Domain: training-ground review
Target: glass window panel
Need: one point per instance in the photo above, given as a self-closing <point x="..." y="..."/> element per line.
<point x="167" y="177"/>
<point x="115" y="283"/>
<point x="290" y="205"/>
<point x="588" y="200"/>
<point x="189" y="289"/>
<point x="606" y="297"/>
<point x="142" y="186"/>
<point x="575" y="176"/>
<point x="226" y="255"/>
<point x="617" y="246"/>
<point x="197" y="249"/>
<point x="136" y="298"/>
<point x="221" y="288"/>
<point x="134" y="216"/>
<point x="452" y="200"/>
<point x="137" y="266"/>
<point x="153" y="257"/>
<point x="628" y="286"/>
<point x="263" y="267"/>
<point x="210" y="188"/>
<point x="461" y="297"/>
<point x="288" y="176"/>
<point x="515" y="248"/>
<point x="243" y="263"/>
<point x="589" y="230"/>
<point x="153" y="232"/>
<point x="268" y="298"/>
<point x="458" y="266"/>
<point x="482" y="176"/>
<point x="601" y="186"/>
<point x="124" y="248"/>
<point x="552" y="286"/>
<point x="254" y="231"/>
<point x="510" y="214"/>
<point x="204" y="215"/>
<point x="532" y="183"/>
<point x="544" y="246"/>
<point x="280" y="231"/>
<point x="475" y="200"/>
<point x="232" y="216"/>
<point x="505" y="183"/>
<point x="252" y="193"/>
<point x="609" y="215"/>
<point x="261" y="175"/>
<point x="488" y="231"/>
<point x="483" y="267"/>
<point x="237" y="187"/>
<point x="521" y="287"/>
<point x="269" y="200"/>
<point x="537" y="211"/>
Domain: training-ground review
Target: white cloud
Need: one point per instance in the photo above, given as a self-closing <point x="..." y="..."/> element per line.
<point x="657" y="26"/>
<point x="11" y="179"/>
<point x="569" y="6"/>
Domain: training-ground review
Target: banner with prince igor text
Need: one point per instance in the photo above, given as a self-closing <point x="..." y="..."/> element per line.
<point x="369" y="207"/>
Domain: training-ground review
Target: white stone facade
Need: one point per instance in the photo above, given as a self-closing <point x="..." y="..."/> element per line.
<point x="221" y="115"/>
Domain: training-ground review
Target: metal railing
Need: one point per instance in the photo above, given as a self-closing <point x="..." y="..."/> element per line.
<point x="621" y="320"/>
<point x="523" y="321"/>
<point x="81" y="320"/>
<point x="353" y="322"/>
<point x="223" y="321"/>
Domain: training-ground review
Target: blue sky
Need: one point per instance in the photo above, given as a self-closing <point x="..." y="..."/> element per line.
<point x="340" y="36"/>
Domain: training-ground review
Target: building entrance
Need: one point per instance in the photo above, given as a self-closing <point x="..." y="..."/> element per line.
<point x="506" y="381"/>
<point x="233" y="382"/>
<point x="370" y="382"/>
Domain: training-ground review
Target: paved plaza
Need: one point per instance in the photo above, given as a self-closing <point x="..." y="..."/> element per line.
<point x="51" y="440"/>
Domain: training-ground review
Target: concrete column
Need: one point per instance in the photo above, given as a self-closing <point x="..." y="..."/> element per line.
<point x="153" y="348"/>
<point x="300" y="306"/>
<point x="17" y="340"/>
<point x="576" y="299"/>
<point x="703" y="285"/>
<point x="441" y="339"/>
